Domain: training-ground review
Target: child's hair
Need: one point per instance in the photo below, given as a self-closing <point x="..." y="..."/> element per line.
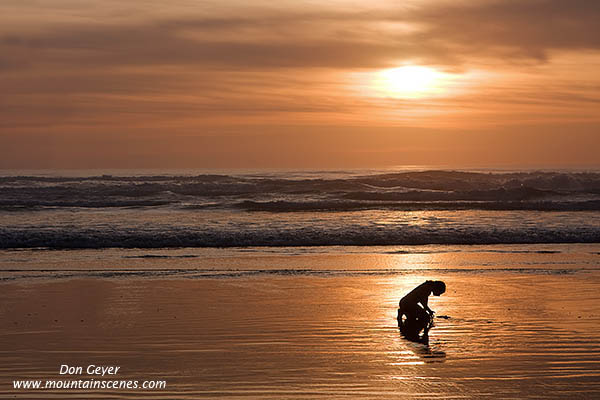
<point x="438" y="287"/>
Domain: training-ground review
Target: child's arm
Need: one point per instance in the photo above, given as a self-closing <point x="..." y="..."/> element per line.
<point x="425" y="306"/>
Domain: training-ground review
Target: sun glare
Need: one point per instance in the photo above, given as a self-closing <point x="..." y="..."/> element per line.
<point x="410" y="81"/>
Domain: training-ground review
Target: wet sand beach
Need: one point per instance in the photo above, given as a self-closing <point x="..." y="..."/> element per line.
<point x="521" y="328"/>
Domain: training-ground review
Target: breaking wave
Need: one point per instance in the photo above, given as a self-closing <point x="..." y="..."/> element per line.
<point x="299" y="209"/>
<point x="79" y="238"/>
<point x="278" y="192"/>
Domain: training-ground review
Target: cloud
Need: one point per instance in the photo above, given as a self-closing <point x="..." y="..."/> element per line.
<point x="521" y="29"/>
<point x="195" y="68"/>
<point x="447" y="34"/>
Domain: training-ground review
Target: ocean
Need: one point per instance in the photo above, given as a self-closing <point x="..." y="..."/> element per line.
<point x="282" y="208"/>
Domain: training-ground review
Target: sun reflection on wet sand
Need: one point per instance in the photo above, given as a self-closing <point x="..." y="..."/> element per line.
<point x="511" y="334"/>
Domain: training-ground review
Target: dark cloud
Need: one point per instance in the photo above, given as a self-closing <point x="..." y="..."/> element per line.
<point x="152" y="45"/>
<point x="521" y="29"/>
<point x="448" y="35"/>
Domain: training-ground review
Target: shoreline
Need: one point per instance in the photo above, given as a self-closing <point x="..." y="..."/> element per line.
<point x="299" y="336"/>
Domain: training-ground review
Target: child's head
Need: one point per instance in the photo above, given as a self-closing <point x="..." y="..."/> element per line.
<point x="438" y="287"/>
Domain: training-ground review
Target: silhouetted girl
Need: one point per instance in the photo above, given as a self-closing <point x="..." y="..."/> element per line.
<point x="414" y="305"/>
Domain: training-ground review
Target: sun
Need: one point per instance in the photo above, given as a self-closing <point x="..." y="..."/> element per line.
<point x="410" y="81"/>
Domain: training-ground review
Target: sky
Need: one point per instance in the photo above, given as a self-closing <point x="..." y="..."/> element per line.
<point x="299" y="84"/>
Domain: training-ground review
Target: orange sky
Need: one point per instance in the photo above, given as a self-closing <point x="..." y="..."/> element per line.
<point x="113" y="84"/>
